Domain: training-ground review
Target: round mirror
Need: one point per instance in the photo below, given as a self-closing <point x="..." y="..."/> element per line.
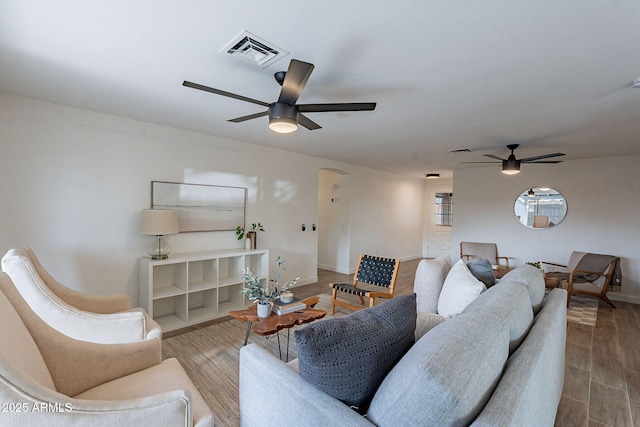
<point x="540" y="208"/>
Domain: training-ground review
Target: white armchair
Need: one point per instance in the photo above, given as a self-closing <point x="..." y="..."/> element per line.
<point x="47" y="378"/>
<point x="105" y="319"/>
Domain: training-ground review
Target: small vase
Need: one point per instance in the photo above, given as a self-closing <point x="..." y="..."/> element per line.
<point x="252" y="235"/>
<point x="286" y="297"/>
<point x="264" y="310"/>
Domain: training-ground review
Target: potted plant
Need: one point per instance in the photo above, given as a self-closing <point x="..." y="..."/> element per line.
<point x="252" y="234"/>
<point x="535" y="264"/>
<point x="264" y="294"/>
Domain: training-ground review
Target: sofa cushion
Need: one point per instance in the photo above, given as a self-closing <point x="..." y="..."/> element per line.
<point x="448" y="375"/>
<point x="166" y="377"/>
<point x="425" y="322"/>
<point x="349" y="357"/>
<point x="511" y="301"/>
<point x="428" y="281"/>
<point x="532" y="279"/>
<point x="482" y="270"/>
<point x="458" y="290"/>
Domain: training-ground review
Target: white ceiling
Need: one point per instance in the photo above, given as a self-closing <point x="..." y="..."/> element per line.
<point x="446" y="74"/>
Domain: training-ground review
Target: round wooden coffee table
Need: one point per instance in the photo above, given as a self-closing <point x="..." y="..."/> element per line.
<point x="274" y="323"/>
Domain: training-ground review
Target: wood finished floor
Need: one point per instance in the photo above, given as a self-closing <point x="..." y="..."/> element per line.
<point x="602" y="367"/>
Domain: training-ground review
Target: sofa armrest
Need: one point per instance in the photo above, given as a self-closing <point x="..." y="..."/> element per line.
<point x="530" y="388"/>
<point x="152" y="328"/>
<point x="41" y="406"/>
<point x="264" y="379"/>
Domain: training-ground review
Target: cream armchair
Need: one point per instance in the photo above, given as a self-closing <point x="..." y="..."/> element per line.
<point x="589" y="274"/>
<point x="489" y="251"/>
<point x="47" y="378"/>
<point x="105" y="319"/>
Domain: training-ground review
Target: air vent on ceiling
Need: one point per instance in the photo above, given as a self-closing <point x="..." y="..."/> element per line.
<point x="254" y="49"/>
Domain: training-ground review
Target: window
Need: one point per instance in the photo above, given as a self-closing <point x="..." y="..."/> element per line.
<point x="444" y="209"/>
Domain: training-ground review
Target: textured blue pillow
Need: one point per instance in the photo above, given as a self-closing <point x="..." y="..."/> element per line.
<point x="482" y="270"/>
<point x="349" y="357"/>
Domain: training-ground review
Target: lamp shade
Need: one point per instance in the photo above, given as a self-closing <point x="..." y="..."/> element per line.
<point x="159" y="222"/>
<point x="283" y="118"/>
<point x="511" y="166"/>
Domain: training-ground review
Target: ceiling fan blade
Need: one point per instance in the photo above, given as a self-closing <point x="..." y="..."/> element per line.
<point x="494" y="157"/>
<point x="308" y="123"/>
<point x="480" y="162"/>
<point x="544" y="156"/>
<point x="346" y="106"/>
<point x="223" y="93"/>
<point x="544" y="161"/>
<point x="294" y="81"/>
<point x="249" y="117"/>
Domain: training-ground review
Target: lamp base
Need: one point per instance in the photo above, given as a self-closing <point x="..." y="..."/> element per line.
<point x="159" y="249"/>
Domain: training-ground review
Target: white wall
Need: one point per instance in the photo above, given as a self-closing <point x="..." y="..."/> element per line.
<point x="356" y="211"/>
<point x="73" y="183"/>
<point x="333" y="220"/>
<point x="385" y="204"/>
<point x="603" y="199"/>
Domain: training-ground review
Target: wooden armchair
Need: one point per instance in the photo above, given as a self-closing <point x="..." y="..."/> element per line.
<point x="489" y="251"/>
<point x="372" y="270"/>
<point x="589" y="274"/>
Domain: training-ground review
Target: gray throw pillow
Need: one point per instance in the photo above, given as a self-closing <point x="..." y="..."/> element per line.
<point x="349" y="357"/>
<point x="482" y="270"/>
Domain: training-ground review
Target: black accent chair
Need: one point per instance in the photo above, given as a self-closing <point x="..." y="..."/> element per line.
<point x="371" y="270"/>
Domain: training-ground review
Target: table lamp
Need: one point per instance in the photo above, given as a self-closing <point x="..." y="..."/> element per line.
<point x="159" y="222"/>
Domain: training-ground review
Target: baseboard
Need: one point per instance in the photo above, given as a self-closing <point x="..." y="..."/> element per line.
<point x="307" y="281"/>
<point x="412" y="257"/>
<point x="334" y="269"/>
<point x="623" y="298"/>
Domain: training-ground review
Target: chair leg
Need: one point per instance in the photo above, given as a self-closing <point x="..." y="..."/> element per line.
<point x="333" y="301"/>
<point x="568" y="299"/>
<point x="361" y="299"/>
<point x="372" y="302"/>
<point x="607" y="300"/>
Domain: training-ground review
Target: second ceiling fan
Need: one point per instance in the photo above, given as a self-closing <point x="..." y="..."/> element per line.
<point x="511" y="165"/>
<point x="285" y="114"/>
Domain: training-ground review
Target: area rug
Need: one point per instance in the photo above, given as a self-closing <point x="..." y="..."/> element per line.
<point x="210" y="356"/>
<point x="583" y="310"/>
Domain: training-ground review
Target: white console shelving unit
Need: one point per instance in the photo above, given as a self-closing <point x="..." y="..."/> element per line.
<point x="188" y="289"/>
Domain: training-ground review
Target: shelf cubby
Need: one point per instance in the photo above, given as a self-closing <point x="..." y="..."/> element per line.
<point x="188" y="289"/>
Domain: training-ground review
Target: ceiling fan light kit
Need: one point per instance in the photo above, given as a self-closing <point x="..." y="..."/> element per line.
<point x="511" y="165"/>
<point x="283" y="118"/>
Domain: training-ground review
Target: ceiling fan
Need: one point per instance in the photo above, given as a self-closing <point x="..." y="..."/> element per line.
<point x="511" y="165"/>
<point x="285" y="114"/>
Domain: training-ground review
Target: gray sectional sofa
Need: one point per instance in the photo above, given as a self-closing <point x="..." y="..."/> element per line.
<point x="498" y="363"/>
